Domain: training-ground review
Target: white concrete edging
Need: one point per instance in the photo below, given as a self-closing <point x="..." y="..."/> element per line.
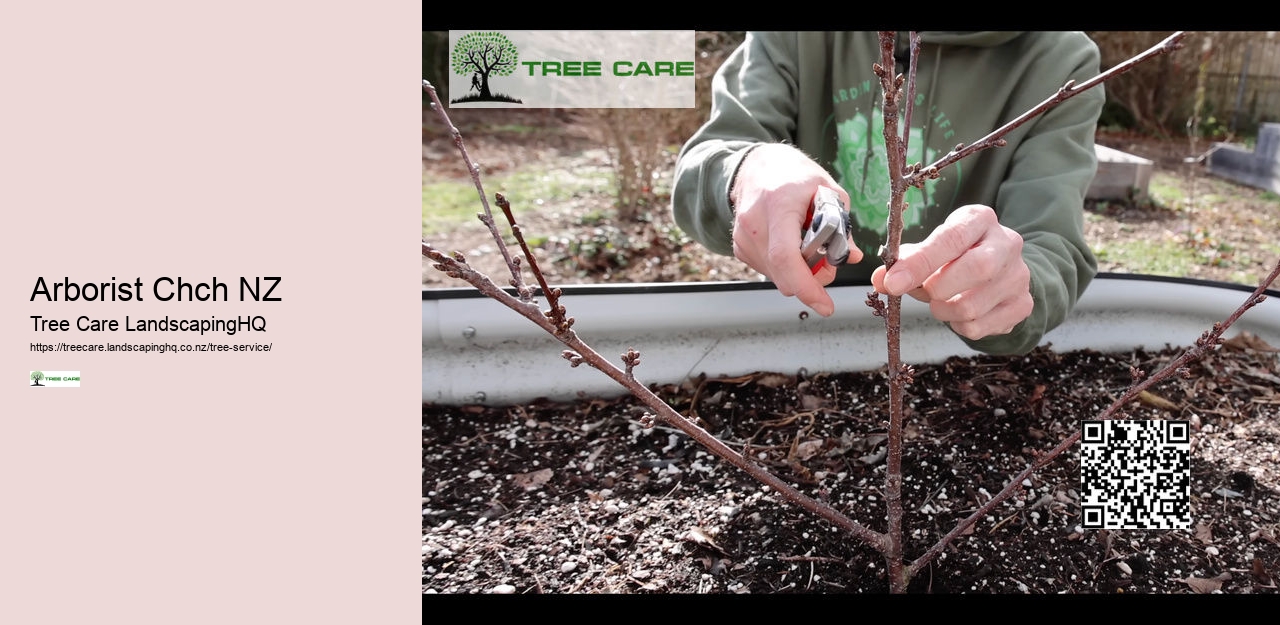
<point x="475" y="350"/>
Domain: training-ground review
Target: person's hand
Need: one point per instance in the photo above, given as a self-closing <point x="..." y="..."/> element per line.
<point x="771" y="196"/>
<point x="969" y="270"/>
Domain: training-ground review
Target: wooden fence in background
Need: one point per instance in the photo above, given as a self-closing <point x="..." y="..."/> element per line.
<point x="1243" y="79"/>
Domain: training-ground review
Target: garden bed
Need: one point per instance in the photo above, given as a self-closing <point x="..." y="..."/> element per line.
<point x="547" y="497"/>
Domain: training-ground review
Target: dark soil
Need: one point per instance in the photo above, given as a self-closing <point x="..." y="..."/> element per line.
<point x="580" y="498"/>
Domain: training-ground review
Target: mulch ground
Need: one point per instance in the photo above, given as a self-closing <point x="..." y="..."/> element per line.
<point x="581" y="498"/>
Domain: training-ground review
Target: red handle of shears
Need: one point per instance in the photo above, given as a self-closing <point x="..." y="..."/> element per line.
<point x="808" y="219"/>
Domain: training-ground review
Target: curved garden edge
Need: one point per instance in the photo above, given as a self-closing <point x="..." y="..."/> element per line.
<point x="727" y="329"/>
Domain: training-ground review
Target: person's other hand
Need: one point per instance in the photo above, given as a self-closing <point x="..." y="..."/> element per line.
<point x="772" y="193"/>
<point x="970" y="271"/>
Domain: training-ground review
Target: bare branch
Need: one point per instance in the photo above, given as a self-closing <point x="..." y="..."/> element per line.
<point x="1207" y="342"/>
<point x="895" y="153"/>
<point x="911" y="94"/>
<point x="487" y="217"/>
<point x="579" y="352"/>
<point x="555" y="312"/>
<point x="1171" y="43"/>
<point x="557" y="324"/>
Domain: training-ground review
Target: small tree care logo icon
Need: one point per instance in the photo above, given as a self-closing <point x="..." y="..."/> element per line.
<point x="484" y="55"/>
<point x="55" y="379"/>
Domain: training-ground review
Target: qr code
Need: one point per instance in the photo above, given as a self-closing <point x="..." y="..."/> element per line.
<point x="1135" y="474"/>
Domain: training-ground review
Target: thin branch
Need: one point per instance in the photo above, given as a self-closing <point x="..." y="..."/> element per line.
<point x="899" y="374"/>
<point x="933" y="170"/>
<point x="556" y="312"/>
<point x="556" y="323"/>
<point x="911" y="94"/>
<point x="901" y="177"/>
<point x="581" y="352"/>
<point x="1207" y="342"/>
<point x="474" y="170"/>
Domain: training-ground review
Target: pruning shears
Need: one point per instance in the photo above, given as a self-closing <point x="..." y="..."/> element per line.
<point x="826" y="231"/>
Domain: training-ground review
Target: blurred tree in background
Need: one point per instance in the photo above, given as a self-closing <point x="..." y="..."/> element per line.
<point x="1240" y="84"/>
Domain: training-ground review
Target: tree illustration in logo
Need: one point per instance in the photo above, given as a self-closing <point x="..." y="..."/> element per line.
<point x="484" y="54"/>
<point x="36" y="376"/>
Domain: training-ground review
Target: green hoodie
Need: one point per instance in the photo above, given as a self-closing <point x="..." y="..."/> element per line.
<point x="816" y="90"/>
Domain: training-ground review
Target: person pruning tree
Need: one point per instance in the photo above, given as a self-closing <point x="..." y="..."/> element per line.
<point x="995" y="245"/>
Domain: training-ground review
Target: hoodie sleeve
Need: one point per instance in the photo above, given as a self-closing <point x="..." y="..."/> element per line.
<point x="1042" y="196"/>
<point x="752" y="102"/>
<point x="1039" y="191"/>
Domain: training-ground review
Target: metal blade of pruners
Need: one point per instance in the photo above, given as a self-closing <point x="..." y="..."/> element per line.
<point x="826" y="231"/>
